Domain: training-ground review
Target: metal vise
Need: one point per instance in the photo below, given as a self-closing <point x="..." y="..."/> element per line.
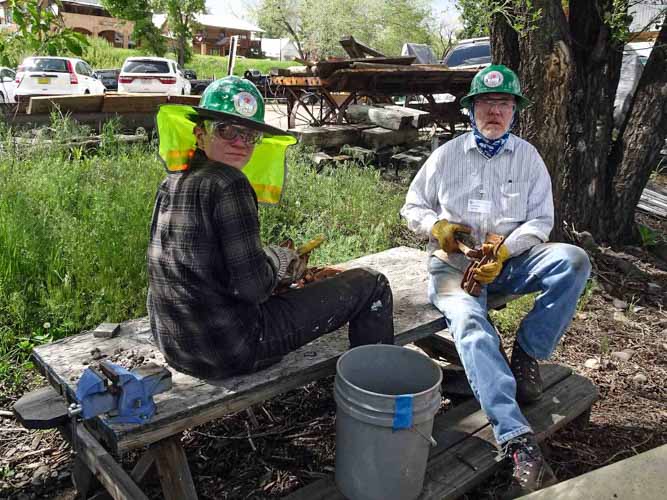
<point x="126" y="396"/>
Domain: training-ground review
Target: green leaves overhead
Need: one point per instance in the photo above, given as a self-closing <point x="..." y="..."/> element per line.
<point x="40" y="31"/>
<point x="318" y="25"/>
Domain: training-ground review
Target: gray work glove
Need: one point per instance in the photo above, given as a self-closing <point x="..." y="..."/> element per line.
<point x="287" y="263"/>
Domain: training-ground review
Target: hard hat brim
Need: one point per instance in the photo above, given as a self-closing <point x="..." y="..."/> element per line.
<point x="521" y="101"/>
<point x="245" y="122"/>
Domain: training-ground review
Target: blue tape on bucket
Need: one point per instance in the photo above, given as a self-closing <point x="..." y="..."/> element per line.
<point x="403" y="412"/>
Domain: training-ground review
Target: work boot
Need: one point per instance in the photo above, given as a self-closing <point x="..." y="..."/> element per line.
<point x="530" y="471"/>
<point x="527" y="374"/>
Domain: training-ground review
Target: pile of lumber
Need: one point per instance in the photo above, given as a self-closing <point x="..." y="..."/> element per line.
<point x="110" y="102"/>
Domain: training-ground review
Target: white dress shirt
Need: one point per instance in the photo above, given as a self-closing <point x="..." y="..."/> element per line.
<point x="509" y="194"/>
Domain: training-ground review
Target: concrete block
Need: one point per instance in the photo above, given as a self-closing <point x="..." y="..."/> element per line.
<point x="641" y="476"/>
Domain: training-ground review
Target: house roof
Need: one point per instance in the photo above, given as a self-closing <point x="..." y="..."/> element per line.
<point x="215" y="21"/>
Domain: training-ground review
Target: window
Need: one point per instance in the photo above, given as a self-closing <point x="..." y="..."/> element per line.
<point x="469" y="55"/>
<point x="146" y="66"/>
<point x="7" y="73"/>
<point x="53" y="65"/>
<point x="82" y="69"/>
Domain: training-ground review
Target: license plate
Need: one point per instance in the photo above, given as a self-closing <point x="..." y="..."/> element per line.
<point x="43" y="80"/>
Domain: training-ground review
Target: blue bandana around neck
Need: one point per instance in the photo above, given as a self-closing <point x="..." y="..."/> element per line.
<point x="489" y="148"/>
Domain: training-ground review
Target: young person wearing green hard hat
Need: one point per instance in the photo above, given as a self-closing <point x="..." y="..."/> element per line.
<point x="491" y="181"/>
<point x="212" y="309"/>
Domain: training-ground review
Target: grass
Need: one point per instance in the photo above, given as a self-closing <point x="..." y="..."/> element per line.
<point x="74" y="230"/>
<point x="101" y="55"/>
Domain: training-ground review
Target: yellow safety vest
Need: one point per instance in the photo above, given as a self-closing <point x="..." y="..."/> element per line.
<point x="266" y="170"/>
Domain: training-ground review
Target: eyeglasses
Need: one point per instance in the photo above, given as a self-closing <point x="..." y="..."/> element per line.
<point x="503" y="105"/>
<point x="230" y="132"/>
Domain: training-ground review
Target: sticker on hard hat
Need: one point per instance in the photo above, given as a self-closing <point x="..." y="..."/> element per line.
<point x="493" y="79"/>
<point x="245" y="104"/>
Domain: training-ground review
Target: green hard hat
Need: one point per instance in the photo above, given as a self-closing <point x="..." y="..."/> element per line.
<point x="235" y="100"/>
<point x="496" y="79"/>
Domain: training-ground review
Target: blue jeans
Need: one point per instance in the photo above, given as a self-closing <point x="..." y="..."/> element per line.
<point x="557" y="270"/>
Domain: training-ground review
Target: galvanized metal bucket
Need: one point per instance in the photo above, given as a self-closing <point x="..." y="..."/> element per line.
<point x="386" y="397"/>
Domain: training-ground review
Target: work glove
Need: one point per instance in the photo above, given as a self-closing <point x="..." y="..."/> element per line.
<point x="445" y="232"/>
<point x="289" y="266"/>
<point x="486" y="273"/>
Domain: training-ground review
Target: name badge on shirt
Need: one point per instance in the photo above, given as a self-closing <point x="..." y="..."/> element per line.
<point x="479" y="206"/>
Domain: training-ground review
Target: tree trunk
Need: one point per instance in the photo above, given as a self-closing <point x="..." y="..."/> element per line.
<point x="636" y="151"/>
<point x="569" y="68"/>
<point x="505" y="46"/>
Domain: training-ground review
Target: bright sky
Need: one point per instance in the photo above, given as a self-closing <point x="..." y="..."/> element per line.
<point x="240" y="8"/>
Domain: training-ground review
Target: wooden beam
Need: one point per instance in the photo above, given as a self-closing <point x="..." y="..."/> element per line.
<point x="105" y="468"/>
<point x="173" y="469"/>
<point x="67" y="103"/>
<point x="133" y="103"/>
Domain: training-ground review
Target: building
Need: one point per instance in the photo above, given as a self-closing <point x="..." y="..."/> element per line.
<point x="87" y="17"/>
<point x="647" y="19"/>
<point x="212" y="37"/>
<point x="282" y="49"/>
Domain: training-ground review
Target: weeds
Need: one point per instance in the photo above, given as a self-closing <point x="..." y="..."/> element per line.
<point x="74" y="229"/>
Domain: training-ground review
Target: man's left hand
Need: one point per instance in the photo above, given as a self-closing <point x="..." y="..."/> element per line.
<point x="486" y="273"/>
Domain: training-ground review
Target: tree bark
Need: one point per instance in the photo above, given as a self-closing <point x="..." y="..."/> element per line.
<point x="505" y="43"/>
<point x="636" y="151"/>
<point x="569" y="68"/>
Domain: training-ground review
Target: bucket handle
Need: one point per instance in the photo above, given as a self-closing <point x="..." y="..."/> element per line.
<point x="429" y="439"/>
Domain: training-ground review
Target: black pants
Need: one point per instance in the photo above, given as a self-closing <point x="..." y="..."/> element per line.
<point x="360" y="296"/>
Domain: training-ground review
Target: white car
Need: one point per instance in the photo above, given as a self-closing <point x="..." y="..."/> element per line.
<point x="152" y="74"/>
<point x="7" y="85"/>
<point x="42" y="75"/>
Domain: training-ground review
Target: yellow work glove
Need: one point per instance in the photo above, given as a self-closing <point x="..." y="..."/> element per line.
<point x="486" y="273"/>
<point x="445" y="232"/>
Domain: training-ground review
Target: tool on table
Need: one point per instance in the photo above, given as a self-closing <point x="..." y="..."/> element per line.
<point x="479" y="257"/>
<point x="125" y="396"/>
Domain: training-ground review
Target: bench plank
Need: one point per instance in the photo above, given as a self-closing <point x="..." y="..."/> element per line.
<point x="448" y="477"/>
<point x="193" y="401"/>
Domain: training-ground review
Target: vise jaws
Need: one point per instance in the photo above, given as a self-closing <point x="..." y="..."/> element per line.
<point x="125" y="396"/>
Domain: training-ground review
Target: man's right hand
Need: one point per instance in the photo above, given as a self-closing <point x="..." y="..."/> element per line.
<point x="445" y="232"/>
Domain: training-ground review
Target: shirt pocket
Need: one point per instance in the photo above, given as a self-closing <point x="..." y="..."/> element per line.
<point x="513" y="202"/>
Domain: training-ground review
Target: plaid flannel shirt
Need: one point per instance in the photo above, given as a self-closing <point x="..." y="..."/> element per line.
<point x="207" y="270"/>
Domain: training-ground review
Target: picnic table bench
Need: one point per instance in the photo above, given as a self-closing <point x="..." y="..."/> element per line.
<point x="465" y="453"/>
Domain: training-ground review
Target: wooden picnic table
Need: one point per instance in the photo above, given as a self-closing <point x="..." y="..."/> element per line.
<point x="192" y="402"/>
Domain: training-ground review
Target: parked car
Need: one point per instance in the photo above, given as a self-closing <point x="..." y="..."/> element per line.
<point x="152" y="74"/>
<point x="7" y="85"/>
<point x="108" y="77"/>
<point x="190" y="74"/>
<point x="469" y="53"/>
<point x="55" y="76"/>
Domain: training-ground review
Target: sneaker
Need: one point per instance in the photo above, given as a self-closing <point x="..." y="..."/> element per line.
<point x="530" y="471"/>
<point x="527" y="374"/>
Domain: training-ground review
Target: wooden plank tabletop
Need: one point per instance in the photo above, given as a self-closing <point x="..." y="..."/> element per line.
<point x="193" y="401"/>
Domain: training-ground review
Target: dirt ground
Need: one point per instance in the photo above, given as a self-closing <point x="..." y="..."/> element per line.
<point x="618" y="340"/>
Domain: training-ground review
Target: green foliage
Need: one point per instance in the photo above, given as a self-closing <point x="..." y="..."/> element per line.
<point x="180" y="21"/>
<point x="100" y="54"/>
<point x="40" y="31"/>
<point x="649" y="237"/>
<point x="475" y="16"/>
<point x="381" y="24"/>
<point x="74" y="231"/>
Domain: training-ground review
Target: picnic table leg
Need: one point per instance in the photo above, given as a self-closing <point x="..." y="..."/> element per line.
<point x="173" y="470"/>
